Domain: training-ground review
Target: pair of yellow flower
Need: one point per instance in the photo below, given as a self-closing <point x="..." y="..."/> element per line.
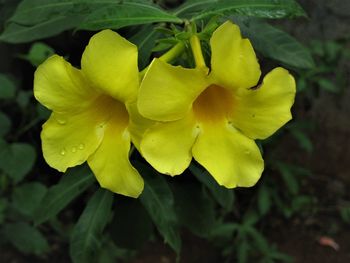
<point x="171" y="115"/>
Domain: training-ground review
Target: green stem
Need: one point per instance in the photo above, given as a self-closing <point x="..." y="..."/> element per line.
<point x="197" y="52"/>
<point x="171" y="54"/>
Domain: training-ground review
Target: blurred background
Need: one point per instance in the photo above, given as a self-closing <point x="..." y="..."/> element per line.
<point x="298" y="212"/>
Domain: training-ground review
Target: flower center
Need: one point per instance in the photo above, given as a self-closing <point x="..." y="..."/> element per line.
<point x="214" y="104"/>
<point x="111" y="109"/>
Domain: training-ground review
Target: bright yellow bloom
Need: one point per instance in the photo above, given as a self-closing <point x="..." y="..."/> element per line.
<point x="214" y="117"/>
<point x="90" y="120"/>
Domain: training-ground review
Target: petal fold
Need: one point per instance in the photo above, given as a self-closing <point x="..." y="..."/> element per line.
<point x="167" y="146"/>
<point x="230" y="157"/>
<point x="61" y="87"/>
<point x="258" y="113"/>
<point x="109" y="62"/>
<point x="110" y="163"/>
<point x="233" y="61"/>
<point x="167" y="92"/>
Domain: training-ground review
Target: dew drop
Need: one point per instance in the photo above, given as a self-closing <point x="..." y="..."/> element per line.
<point x="74" y="149"/>
<point x="61" y="121"/>
<point x="81" y="146"/>
<point x="63" y="152"/>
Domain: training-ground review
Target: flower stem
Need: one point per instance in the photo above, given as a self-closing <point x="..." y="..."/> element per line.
<point x="197" y="51"/>
<point x="168" y="56"/>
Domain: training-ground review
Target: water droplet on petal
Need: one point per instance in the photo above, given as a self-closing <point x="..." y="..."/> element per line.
<point x="74" y="149"/>
<point x="81" y="146"/>
<point x="63" y="152"/>
<point x="61" y="121"/>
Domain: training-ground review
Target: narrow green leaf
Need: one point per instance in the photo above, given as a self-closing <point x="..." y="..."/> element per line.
<point x="26" y="198"/>
<point x="288" y="177"/>
<point x="126" y="14"/>
<point x="158" y="200"/>
<point x="303" y="140"/>
<point x="17" y="159"/>
<point x="276" y="44"/>
<point x="131" y="226"/>
<point x="5" y="124"/>
<point x="327" y="85"/>
<point x="264" y="200"/>
<point x="7" y="87"/>
<point x="255" y="8"/>
<point x="59" y="196"/>
<point x="145" y="40"/>
<point x="191" y="8"/>
<point x="194" y="208"/>
<point x="26" y="238"/>
<point x="86" y="236"/>
<point x="224" y="196"/>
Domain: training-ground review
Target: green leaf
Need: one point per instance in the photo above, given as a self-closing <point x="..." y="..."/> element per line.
<point x="264" y="200"/>
<point x="276" y="44"/>
<point x="191" y="8"/>
<point x="256" y="8"/>
<point x="327" y="85"/>
<point x="289" y="177"/>
<point x="222" y="195"/>
<point x="131" y="226"/>
<point x="23" y="98"/>
<point x="72" y="184"/>
<point x="7" y="87"/>
<point x="5" y="124"/>
<point x="158" y="200"/>
<point x="26" y="238"/>
<point x="17" y="160"/>
<point x="194" y="208"/>
<point x="3" y="207"/>
<point x="26" y="198"/>
<point x="126" y="14"/>
<point x="86" y="236"/>
<point x="38" y="53"/>
<point x="303" y="140"/>
<point x="145" y="40"/>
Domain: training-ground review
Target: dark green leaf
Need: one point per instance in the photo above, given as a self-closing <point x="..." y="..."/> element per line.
<point x="27" y="197"/>
<point x="242" y="251"/>
<point x="222" y="195"/>
<point x="158" y="200"/>
<point x="191" y="8"/>
<point x="288" y="177"/>
<point x="38" y="53"/>
<point x="327" y="85"/>
<point x="5" y="124"/>
<point x="3" y="206"/>
<point x="59" y="196"/>
<point x="194" y="208"/>
<point x="224" y="230"/>
<point x="264" y="200"/>
<point x="7" y="87"/>
<point x="303" y="140"/>
<point x="126" y="14"/>
<point x="26" y="238"/>
<point x="17" y="160"/>
<point x="131" y="226"/>
<point x="276" y="44"/>
<point x="23" y="98"/>
<point x="255" y="8"/>
<point x="145" y="40"/>
<point x="86" y="236"/>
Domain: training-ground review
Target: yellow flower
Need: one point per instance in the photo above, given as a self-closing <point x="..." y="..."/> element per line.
<point x="91" y="111"/>
<point x="214" y="117"/>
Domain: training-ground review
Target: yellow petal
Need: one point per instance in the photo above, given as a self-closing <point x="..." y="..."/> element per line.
<point x="167" y="92"/>
<point x="110" y="63"/>
<point x="233" y="60"/>
<point x="137" y="124"/>
<point x="260" y="112"/>
<point x="68" y="140"/>
<point x="61" y="87"/>
<point x="230" y="157"/>
<point x="167" y="146"/>
<point x="110" y="163"/>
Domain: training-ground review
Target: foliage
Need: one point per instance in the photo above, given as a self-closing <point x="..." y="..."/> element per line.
<point x="32" y="200"/>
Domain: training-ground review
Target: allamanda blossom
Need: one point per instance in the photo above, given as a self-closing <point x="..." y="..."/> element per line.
<point x="214" y="115"/>
<point x="91" y="111"/>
